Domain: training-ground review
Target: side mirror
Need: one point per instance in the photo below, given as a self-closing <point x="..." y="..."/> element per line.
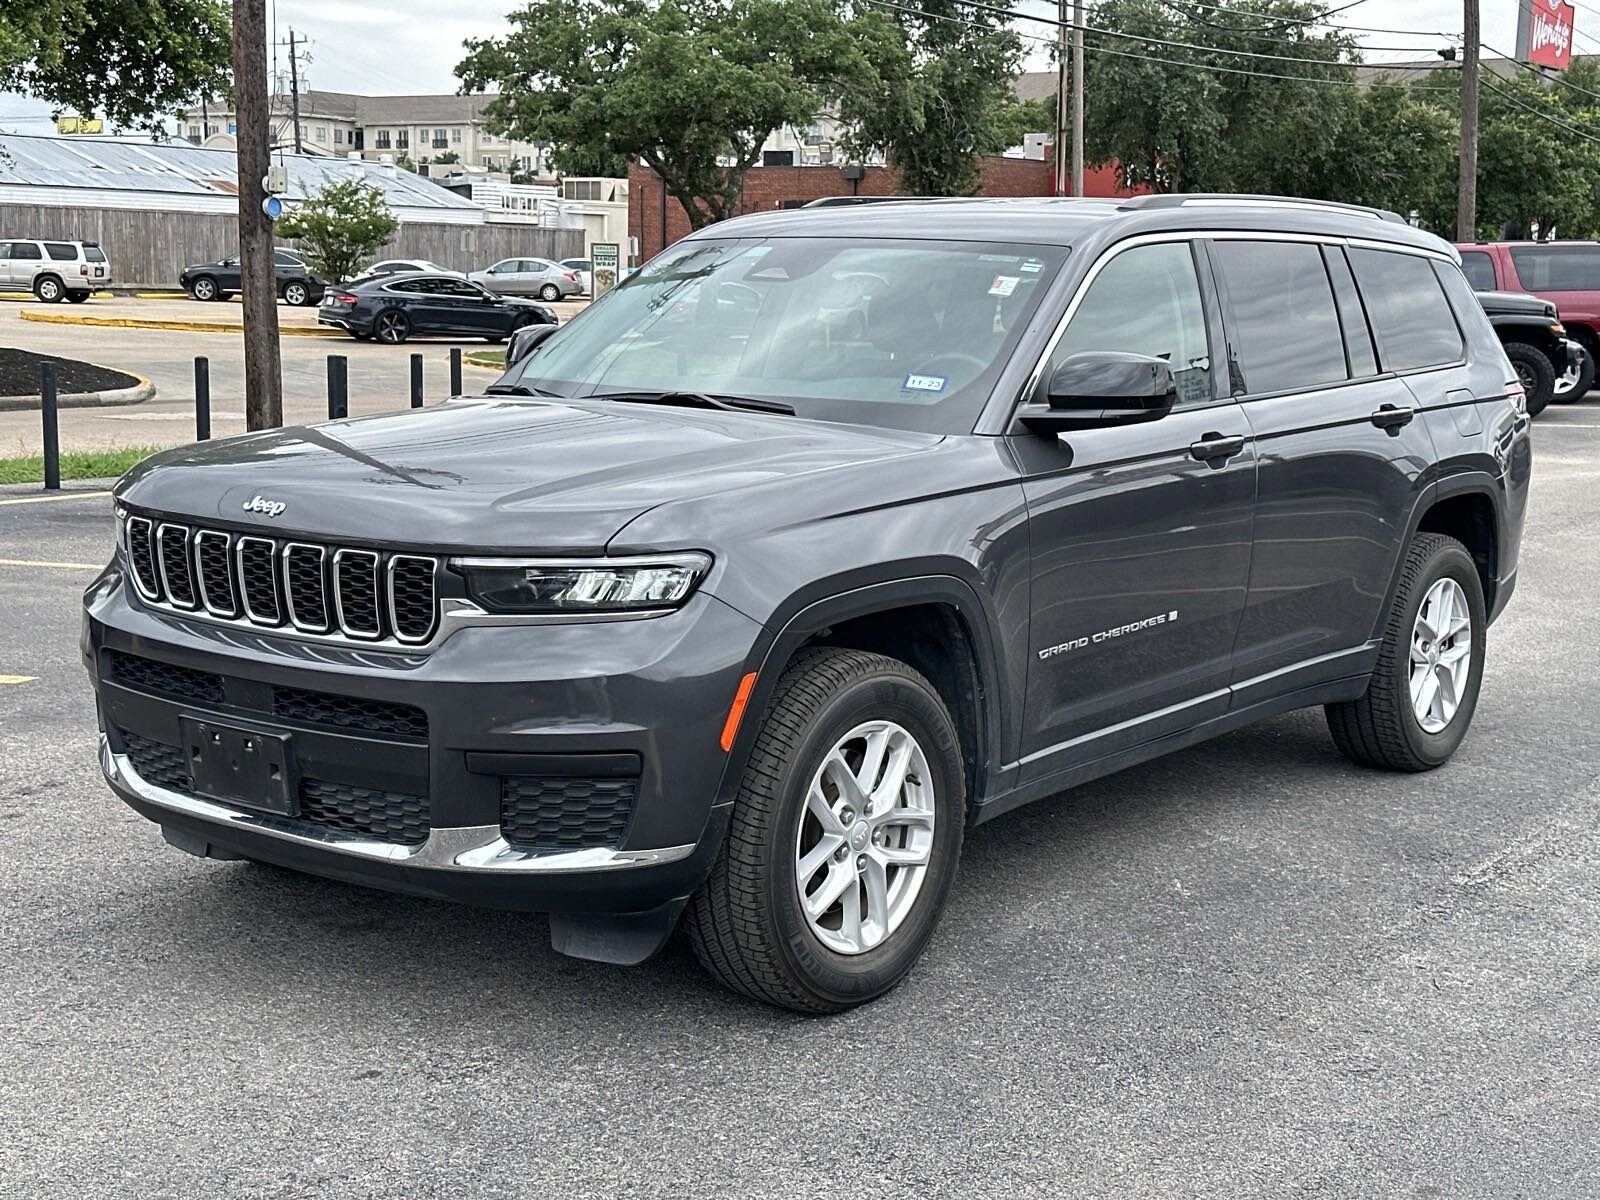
<point x="525" y="341"/>
<point x="1102" y="387"/>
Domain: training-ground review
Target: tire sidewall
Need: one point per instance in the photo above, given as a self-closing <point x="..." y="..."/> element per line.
<point x="1543" y="372"/>
<point x="50" y="290"/>
<point x="549" y="293"/>
<point x="1452" y="562"/>
<point x="204" y="289"/>
<point x="842" y="979"/>
<point x="297" y="294"/>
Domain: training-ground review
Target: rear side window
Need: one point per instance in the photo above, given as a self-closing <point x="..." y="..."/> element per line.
<point x="61" y="252"/>
<point x="1478" y="267"/>
<point x="1283" y="327"/>
<point x="94" y="254"/>
<point x="28" y="251"/>
<point x="1407" y="308"/>
<point x="1558" y="268"/>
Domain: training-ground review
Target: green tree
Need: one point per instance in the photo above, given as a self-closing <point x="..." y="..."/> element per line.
<point x="1538" y="157"/>
<point x="692" y="87"/>
<point x="1399" y="152"/>
<point x="133" y="60"/>
<point x="340" y="227"/>
<point x="448" y="159"/>
<point x="940" y="92"/>
<point x="584" y="161"/>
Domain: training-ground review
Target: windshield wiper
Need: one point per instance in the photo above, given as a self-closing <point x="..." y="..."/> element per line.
<point x="700" y="400"/>
<point x="517" y="389"/>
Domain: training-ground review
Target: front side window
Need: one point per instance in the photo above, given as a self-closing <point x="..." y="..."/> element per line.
<point x="1558" y="268"/>
<point x="28" y="251"/>
<point x="1407" y="308"/>
<point x="896" y="332"/>
<point x="1282" y="325"/>
<point x="1146" y="301"/>
<point x="1478" y="267"/>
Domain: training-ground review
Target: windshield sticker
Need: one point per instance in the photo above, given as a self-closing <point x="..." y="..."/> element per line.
<point x="1004" y="285"/>
<point x="925" y="383"/>
<point x="1032" y="265"/>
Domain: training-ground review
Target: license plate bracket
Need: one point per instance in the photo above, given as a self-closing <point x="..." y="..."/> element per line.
<point x="242" y="767"/>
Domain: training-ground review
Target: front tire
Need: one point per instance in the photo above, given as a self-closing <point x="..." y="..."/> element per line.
<point x="1536" y="373"/>
<point x="1422" y="695"/>
<point x="205" y="289"/>
<point x="844" y="839"/>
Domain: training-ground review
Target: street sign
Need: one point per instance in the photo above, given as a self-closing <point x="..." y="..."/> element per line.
<point x="273" y="207"/>
<point x="605" y="257"/>
<point x="1544" y="33"/>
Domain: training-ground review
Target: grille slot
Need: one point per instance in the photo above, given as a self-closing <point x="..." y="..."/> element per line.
<point x="306" y="586"/>
<point x="167" y="679"/>
<point x="349" y="712"/>
<point x="413" y="602"/>
<point x="212" y="556"/>
<point x="156" y="762"/>
<point x="142" y="557"/>
<point x="177" y="573"/>
<point x="355" y="593"/>
<point x="554" y="813"/>
<point x="320" y="591"/>
<point x="386" y="816"/>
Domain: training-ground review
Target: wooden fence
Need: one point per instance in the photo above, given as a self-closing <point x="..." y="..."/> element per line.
<point x="148" y="248"/>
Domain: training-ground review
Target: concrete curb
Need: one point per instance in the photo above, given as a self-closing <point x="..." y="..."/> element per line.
<point x="54" y="318"/>
<point x="31" y="296"/>
<point x="115" y="397"/>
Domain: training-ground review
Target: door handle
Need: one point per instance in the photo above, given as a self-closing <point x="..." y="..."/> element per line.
<point x="1393" y="416"/>
<point x="1213" y="447"/>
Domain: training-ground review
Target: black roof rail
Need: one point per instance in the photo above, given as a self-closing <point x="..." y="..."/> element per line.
<point x="1241" y="200"/>
<point x="839" y="201"/>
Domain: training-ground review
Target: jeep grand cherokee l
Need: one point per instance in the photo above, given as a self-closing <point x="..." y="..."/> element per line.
<point x="746" y="595"/>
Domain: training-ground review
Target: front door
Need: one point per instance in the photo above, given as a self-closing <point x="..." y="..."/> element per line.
<point x="1140" y="534"/>
<point x="5" y="263"/>
<point x="1339" y="443"/>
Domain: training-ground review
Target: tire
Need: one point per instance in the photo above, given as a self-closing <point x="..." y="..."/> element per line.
<point x="49" y="289"/>
<point x="391" y="327"/>
<point x="1535" y="371"/>
<point x="361" y="337"/>
<point x="1383" y="729"/>
<point x="549" y="292"/>
<point x="296" y="294"/>
<point x="747" y="924"/>
<point x="1586" y="371"/>
<point x="494" y="339"/>
<point x="78" y="297"/>
<point x="205" y="288"/>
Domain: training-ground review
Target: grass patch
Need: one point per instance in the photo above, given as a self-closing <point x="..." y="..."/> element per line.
<point x="486" y="358"/>
<point x="77" y="464"/>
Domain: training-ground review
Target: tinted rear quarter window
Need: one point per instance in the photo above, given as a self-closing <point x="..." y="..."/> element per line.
<point x="1479" y="270"/>
<point x="61" y="252"/>
<point x="1570" y="268"/>
<point x="1283" y="328"/>
<point x="1407" y="308"/>
<point x="94" y="254"/>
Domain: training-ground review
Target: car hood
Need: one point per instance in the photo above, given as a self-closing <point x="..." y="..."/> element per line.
<point x="1515" y="303"/>
<point x="494" y="473"/>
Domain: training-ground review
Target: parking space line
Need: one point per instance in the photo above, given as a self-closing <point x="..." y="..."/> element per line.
<point x="5" y="679"/>
<point x="55" y="499"/>
<point x="1565" y="425"/>
<point x="59" y="566"/>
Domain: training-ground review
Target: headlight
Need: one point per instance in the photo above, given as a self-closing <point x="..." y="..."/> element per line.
<point x="516" y="585"/>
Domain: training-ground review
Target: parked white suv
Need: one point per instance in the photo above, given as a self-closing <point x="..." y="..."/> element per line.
<point x="54" y="271"/>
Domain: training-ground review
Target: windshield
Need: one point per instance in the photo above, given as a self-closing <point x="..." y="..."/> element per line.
<point x="907" y="334"/>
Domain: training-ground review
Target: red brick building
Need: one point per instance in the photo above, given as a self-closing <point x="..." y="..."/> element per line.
<point x="650" y="209"/>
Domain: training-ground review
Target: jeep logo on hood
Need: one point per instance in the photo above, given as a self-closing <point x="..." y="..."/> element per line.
<point x="260" y="504"/>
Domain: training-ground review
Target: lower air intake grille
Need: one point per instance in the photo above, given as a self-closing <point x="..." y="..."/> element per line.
<point x="565" y="814"/>
<point x="148" y="675"/>
<point x="157" y="763"/>
<point x="386" y="816"/>
<point x="349" y="712"/>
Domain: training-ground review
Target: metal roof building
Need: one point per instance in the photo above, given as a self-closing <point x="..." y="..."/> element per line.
<point x="109" y="173"/>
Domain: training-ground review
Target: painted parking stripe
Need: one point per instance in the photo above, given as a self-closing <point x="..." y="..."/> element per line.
<point x="56" y="499"/>
<point x="59" y="566"/>
<point x="5" y="679"/>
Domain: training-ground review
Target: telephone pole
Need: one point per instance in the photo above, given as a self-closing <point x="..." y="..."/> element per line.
<point x="1077" y="97"/>
<point x="1059" y="152"/>
<point x="263" y="373"/>
<point x="1467" y="190"/>
<point x="294" y="92"/>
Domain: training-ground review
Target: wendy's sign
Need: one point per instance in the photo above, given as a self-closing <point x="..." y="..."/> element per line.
<point x="1544" y="33"/>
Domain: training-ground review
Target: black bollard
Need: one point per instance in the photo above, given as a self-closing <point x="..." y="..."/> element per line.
<point x="52" y="433"/>
<point x="338" y="387"/>
<point x="202" y="399"/>
<point x="455" y="371"/>
<point x="416" y="381"/>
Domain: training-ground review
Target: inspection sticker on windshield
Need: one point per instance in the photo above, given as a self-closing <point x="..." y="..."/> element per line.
<point x="924" y="383"/>
<point x="1004" y="285"/>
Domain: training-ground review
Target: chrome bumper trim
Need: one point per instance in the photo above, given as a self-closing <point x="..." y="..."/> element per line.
<point x="469" y="849"/>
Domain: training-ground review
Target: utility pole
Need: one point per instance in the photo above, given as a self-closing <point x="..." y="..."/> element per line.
<point x="1077" y="97"/>
<point x="263" y="374"/>
<point x="1060" y="148"/>
<point x="294" y="92"/>
<point x="1467" y="191"/>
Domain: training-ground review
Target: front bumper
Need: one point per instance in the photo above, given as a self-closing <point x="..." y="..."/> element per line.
<point x="655" y="692"/>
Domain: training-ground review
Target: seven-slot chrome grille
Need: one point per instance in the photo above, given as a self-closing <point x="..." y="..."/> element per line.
<point x="279" y="583"/>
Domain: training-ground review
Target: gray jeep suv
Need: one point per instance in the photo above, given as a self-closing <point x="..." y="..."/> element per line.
<point x="825" y="538"/>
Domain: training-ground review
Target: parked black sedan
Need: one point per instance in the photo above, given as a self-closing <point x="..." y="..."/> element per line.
<point x="397" y="307"/>
<point x="222" y="279"/>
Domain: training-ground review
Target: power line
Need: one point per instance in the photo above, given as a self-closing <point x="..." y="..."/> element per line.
<point x="1331" y="24"/>
<point x="1533" y="70"/>
<point x="1528" y="108"/>
<point x="1262" y="35"/>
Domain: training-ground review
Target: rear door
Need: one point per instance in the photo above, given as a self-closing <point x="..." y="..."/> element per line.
<point x="1341" y="451"/>
<point x="1140" y="534"/>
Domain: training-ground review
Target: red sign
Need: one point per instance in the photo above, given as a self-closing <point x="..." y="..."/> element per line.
<point x="1544" y="33"/>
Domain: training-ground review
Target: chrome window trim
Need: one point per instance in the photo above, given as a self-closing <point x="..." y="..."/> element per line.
<point x="377" y="598"/>
<point x="150" y="536"/>
<point x="282" y="565"/>
<point x="250" y="614"/>
<point x="188" y="557"/>
<point x="394" y="621"/>
<point x="200" y="575"/>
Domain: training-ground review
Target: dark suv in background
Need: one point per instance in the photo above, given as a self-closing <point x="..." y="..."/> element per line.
<point x="297" y="286"/>
<point x="826" y="537"/>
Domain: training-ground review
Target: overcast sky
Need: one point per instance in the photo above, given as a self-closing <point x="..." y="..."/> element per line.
<point x="412" y="46"/>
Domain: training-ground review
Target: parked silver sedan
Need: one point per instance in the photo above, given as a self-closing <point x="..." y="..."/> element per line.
<point x="529" y="277"/>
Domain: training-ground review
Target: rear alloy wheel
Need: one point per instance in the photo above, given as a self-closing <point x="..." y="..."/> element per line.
<point x="844" y="838"/>
<point x="549" y="292"/>
<point x="1575" y="384"/>
<point x="50" y="290"/>
<point x="1535" y="373"/>
<point x="296" y="295"/>
<point x="391" y="328"/>
<point x="204" y="288"/>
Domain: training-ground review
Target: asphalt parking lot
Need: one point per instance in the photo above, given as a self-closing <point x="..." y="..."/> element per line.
<point x="1249" y="969"/>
